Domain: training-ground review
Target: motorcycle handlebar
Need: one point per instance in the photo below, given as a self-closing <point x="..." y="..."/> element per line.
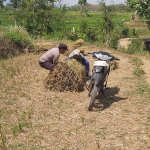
<point x="89" y="53"/>
<point x="114" y="58"/>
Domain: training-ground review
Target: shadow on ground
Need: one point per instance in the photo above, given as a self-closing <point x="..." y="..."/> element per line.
<point x="105" y="101"/>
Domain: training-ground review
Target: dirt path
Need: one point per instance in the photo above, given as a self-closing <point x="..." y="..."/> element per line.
<point x="61" y="121"/>
<point x="115" y="124"/>
<point x="146" y="61"/>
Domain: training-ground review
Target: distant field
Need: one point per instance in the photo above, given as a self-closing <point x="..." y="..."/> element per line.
<point x="73" y="19"/>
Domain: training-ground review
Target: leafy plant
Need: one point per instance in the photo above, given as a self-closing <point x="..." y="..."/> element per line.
<point x="19" y="36"/>
<point x="125" y="32"/>
<point x="136" y="46"/>
<point x="142" y="9"/>
<point x="114" y="41"/>
<point x="91" y="35"/>
<point x="73" y="35"/>
<point x="138" y="72"/>
<point x="107" y="24"/>
<point x="137" y="62"/>
<point x="13" y="41"/>
<point x="83" y="26"/>
<point x="37" y="16"/>
<point x="143" y="88"/>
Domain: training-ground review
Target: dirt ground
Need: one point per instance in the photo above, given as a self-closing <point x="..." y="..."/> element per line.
<point x="146" y="69"/>
<point x="61" y="121"/>
<point x="118" y="123"/>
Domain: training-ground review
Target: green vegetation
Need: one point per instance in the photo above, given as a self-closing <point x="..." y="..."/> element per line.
<point x="103" y="27"/>
<point x="74" y="25"/>
<point x="6" y="19"/>
<point x="14" y="40"/>
<point x="73" y="18"/>
<point x="32" y="118"/>
<point x="142" y="9"/>
<point x="142" y="86"/>
<point x="136" y="47"/>
<point x="18" y="35"/>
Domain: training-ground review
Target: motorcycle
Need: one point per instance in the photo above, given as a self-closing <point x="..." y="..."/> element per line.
<point x="100" y="72"/>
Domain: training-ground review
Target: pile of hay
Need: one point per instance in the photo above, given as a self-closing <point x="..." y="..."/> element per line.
<point x="114" y="65"/>
<point x="76" y="45"/>
<point x="67" y="76"/>
<point x="43" y="45"/>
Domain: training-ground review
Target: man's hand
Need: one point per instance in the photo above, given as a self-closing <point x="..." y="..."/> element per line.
<point x="56" y="63"/>
<point x="66" y="59"/>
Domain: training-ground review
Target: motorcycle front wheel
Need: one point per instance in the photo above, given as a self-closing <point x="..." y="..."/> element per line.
<point x="92" y="98"/>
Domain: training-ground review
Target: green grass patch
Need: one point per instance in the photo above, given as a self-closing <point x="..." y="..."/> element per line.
<point x="71" y="19"/>
<point x="6" y="19"/>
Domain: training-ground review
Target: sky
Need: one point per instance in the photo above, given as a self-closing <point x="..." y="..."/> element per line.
<point x="108" y="2"/>
<point x="75" y="2"/>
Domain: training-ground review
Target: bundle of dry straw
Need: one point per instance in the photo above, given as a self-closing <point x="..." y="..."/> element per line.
<point x="76" y="45"/>
<point x="67" y="76"/>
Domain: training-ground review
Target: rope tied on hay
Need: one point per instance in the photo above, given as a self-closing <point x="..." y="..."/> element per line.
<point x="67" y="76"/>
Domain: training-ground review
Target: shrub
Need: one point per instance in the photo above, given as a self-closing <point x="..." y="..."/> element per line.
<point x="136" y="46"/>
<point x="125" y="32"/>
<point x="19" y="36"/>
<point x="91" y="35"/>
<point x="83" y="26"/>
<point x="13" y="41"/>
<point x="138" y="72"/>
<point x="73" y="35"/>
<point x="133" y="33"/>
<point x="114" y="41"/>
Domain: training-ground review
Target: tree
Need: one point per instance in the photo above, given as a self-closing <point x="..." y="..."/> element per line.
<point x="83" y="3"/>
<point x="15" y="3"/>
<point x="107" y="25"/>
<point x="64" y="10"/>
<point x="1" y="3"/>
<point x="142" y="8"/>
<point x="51" y="2"/>
<point x="37" y="16"/>
<point x="60" y="3"/>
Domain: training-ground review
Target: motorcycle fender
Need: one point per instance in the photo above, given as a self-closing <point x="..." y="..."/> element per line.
<point x="97" y="78"/>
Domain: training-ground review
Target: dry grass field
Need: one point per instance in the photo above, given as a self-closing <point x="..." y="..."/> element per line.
<point x="35" y="118"/>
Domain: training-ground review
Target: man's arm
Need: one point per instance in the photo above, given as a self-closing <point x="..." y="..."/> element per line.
<point x="70" y="56"/>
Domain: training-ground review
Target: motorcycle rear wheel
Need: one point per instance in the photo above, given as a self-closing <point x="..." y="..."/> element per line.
<point x="92" y="98"/>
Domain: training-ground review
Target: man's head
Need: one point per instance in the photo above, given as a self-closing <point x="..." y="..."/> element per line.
<point x="76" y="53"/>
<point x="62" y="48"/>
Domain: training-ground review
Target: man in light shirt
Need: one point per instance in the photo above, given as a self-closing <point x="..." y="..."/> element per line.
<point x="49" y="59"/>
